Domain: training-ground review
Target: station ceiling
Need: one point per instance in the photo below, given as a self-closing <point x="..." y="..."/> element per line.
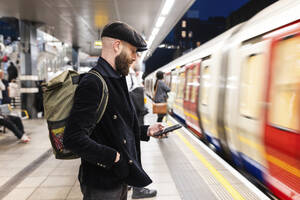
<point x="79" y="22"/>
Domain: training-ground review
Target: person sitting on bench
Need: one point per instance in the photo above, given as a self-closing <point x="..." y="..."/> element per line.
<point x="13" y="123"/>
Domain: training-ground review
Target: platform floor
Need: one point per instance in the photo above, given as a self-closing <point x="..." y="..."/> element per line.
<point x="180" y="166"/>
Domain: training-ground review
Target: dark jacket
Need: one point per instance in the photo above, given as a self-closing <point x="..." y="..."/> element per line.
<point x="12" y="72"/>
<point x="118" y="131"/>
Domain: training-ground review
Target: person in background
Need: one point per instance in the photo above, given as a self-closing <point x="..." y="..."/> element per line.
<point x="14" y="124"/>
<point x="160" y="91"/>
<point x="136" y="92"/>
<point x="5" y="95"/>
<point x="5" y="61"/>
<point x="39" y="97"/>
<point x="13" y="92"/>
<point x="2" y="87"/>
<point x="12" y="72"/>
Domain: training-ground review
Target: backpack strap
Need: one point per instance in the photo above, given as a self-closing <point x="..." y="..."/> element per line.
<point x="104" y="99"/>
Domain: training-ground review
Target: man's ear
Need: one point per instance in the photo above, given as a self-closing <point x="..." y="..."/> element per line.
<point x="117" y="46"/>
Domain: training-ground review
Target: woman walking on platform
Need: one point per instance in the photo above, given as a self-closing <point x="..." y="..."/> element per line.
<point x="161" y="90"/>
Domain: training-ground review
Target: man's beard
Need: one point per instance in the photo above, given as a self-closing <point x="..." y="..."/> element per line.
<point x="122" y="63"/>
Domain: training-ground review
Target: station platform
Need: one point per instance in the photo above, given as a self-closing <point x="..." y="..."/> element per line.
<point x="180" y="166"/>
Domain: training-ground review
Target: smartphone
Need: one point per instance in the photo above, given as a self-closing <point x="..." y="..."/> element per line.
<point x="168" y="129"/>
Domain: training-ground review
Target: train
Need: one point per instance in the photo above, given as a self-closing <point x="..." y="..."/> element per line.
<point x="240" y="93"/>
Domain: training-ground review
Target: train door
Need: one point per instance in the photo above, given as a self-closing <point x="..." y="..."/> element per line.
<point x="191" y="97"/>
<point x="282" y="127"/>
<point x="187" y="91"/>
<point x="178" y="103"/>
<point x="167" y="79"/>
<point x="204" y="102"/>
<point x="252" y="92"/>
<point x="172" y="93"/>
<point x="151" y="87"/>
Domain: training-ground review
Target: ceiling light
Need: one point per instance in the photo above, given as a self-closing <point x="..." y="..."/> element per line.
<point x="160" y="21"/>
<point x="167" y="7"/>
<point x="151" y="40"/>
<point x="154" y="32"/>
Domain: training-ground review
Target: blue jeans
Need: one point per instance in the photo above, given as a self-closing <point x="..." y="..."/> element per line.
<point x="118" y="193"/>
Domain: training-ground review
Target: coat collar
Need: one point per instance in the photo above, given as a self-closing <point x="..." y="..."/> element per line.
<point x="106" y="69"/>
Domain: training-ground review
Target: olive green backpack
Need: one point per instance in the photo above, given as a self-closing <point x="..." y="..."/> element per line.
<point x="58" y="98"/>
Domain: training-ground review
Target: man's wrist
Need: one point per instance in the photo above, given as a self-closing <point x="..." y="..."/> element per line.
<point x="148" y="132"/>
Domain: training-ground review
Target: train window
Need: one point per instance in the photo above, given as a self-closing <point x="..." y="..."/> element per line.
<point x="169" y="80"/>
<point x="252" y="86"/>
<point x="189" y="77"/>
<point x="174" y="82"/>
<point x="181" y="86"/>
<point x="205" y="85"/>
<point x="195" y="82"/>
<point x="285" y="86"/>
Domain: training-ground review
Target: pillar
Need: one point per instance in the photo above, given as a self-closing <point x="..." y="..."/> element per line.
<point x="75" y="58"/>
<point x="28" y="76"/>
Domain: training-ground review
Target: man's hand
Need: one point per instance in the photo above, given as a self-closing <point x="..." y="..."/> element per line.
<point x="155" y="128"/>
<point x="117" y="157"/>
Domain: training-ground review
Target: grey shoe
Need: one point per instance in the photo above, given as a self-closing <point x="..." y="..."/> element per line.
<point x="140" y="193"/>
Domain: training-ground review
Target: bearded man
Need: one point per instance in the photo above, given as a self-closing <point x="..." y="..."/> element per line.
<point x="110" y="156"/>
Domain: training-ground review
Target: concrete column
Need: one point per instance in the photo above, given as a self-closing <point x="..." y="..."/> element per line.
<point x="29" y="77"/>
<point x="75" y="58"/>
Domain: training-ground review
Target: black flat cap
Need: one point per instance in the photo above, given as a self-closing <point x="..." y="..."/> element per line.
<point x="122" y="31"/>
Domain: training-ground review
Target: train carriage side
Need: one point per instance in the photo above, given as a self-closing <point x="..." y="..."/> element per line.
<point x="167" y="79"/>
<point x="282" y="124"/>
<point x="259" y="129"/>
<point x="178" y="110"/>
<point x="191" y="95"/>
<point x="244" y="107"/>
<point x="172" y="93"/>
<point x="211" y="86"/>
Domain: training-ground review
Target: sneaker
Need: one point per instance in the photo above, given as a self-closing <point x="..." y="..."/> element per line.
<point x="140" y="193"/>
<point x="25" y="139"/>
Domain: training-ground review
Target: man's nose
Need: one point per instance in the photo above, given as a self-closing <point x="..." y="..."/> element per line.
<point x="134" y="57"/>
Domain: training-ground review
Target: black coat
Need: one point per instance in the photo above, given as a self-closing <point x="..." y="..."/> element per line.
<point x="118" y="131"/>
<point x="12" y="72"/>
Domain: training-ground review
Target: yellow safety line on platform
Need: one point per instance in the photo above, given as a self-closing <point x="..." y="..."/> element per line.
<point x="235" y="194"/>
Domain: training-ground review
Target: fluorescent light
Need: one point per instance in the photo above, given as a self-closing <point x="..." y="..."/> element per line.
<point x="154" y="31"/>
<point x="160" y="21"/>
<point x="167" y="7"/>
<point x="151" y="40"/>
